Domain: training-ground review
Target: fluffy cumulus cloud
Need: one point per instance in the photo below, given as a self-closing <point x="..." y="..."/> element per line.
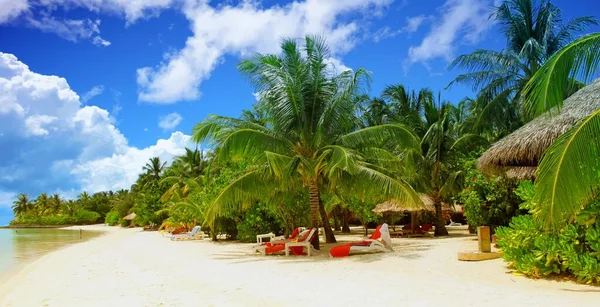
<point x="170" y="121"/>
<point x="257" y="29"/>
<point x="459" y="22"/>
<point x="10" y="9"/>
<point x="51" y="142"/>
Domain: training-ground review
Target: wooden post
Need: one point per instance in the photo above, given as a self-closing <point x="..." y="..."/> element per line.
<point x="483" y="237"/>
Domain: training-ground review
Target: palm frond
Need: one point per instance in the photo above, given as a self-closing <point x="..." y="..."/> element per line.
<point x="381" y="135"/>
<point x="568" y="174"/>
<point x="547" y="88"/>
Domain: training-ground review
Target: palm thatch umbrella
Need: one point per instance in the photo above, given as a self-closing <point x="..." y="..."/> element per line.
<point x="130" y="217"/>
<point x="393" y="207"/>
<point x="519" y="153"/>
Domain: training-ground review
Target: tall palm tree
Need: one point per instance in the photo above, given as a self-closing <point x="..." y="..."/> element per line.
<point x="309" y="140"/>
<point x="534" y="31"/>
<point x="22" y="204"/>
<point x="406" y="106"/>
<point x="154" y="167"/>
<point x="55" y="203"/>
<point x="568" y="175"/>
<point x="193" y="162"/>
<point x="42" y="204"/>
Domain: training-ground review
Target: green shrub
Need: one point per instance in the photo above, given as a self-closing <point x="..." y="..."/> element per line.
<point x="257" y="220"/>
<point x="124" y="223"/>
<point x="83" y="216"/>
<point x="112" y="218"/>
<point x="489" y="201"/>
<point x="573" y="250"/>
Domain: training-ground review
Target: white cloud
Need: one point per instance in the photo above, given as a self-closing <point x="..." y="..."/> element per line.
<point x="99" y="41"/>
<point x="460" y="21"/>
<point x="385" y="33"/>
<point x="336" y="66"/>
<point x="70" y="29"/>
<point x="53" y="143"/>
<point x="132" y="10"/>
<point x="413" y="23"/>
<point x="119" y="171"/>
<point x="93" y="92"/>
<point x="170" y="121"/>
<point x="35" y="124"/>
<point x="6" y="199"/>
<point x="10" y="9"/>
<point x="256" y="29"/>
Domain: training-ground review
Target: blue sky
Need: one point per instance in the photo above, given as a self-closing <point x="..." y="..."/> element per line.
<point x="90" y="89"/>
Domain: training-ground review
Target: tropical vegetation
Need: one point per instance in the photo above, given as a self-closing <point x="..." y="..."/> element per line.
<point x="317" y="150"/>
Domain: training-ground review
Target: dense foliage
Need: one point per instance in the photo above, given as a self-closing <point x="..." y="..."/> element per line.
<point x="488" y="201"/>
<point x="574" y="249"/>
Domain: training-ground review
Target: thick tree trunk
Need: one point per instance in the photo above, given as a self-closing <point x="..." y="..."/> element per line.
<point x="213" y="233"/>
<point x="336" y="220"/>
<point x="345" y="226"/>
<point x="314" y="197"/>
<point x="329" y="236"/>
<point x="440" y="225"/>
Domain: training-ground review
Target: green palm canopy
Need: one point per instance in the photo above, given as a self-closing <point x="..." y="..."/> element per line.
<point x="309" y="139"/>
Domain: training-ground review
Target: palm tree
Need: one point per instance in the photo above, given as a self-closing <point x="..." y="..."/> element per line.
<point x="309" y="140"/>
<point x="568" y="175"/>
<point x="193" y="162"/>
<point x="22" y="204"/>
<point x="154" y="167"/>
<point x="406" y="106"/>
<point x="534" y="33"/>
<point x="55" y="203"/>
<point x="438" y="172"/>
<point x="42" y="204"/>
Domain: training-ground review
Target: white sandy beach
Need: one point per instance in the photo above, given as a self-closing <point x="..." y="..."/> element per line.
<point x="128" y="267"/>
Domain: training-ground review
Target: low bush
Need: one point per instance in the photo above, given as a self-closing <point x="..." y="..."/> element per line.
<point x="573" y="250"/>
<point x="112" y="218"/>
<point x="83" y="216"/>
<point x="257" y="220"/>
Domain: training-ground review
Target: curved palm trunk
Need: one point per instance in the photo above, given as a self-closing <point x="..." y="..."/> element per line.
<point x="314" y="197"/>
<point x="329" y="236"/>
<point x="440" y="223"/>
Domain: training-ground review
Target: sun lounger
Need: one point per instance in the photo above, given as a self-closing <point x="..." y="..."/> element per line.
<point x="195" y="234"/>
<point x="272" y="238"/>
<point x="280" y="246"/>
<point x="379" y="241"/>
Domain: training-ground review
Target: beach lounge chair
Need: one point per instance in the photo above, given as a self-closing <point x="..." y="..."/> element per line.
<point x="195" y="234"/>
<point x="379" y="241"/>
<point x="296" y="246"/>
<point x="272" y="238"/>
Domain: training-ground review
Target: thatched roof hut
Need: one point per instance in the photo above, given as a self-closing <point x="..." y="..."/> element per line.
<point x="519" y="153"/>
<point x="130" y="217"/>
<point x="394" y="207"/>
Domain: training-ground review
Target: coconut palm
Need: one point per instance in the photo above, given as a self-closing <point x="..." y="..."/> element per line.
<point x="42" y="204"/>
<point x="309" y="139"/>
<point x="568" y="175"/>
<point x="534" y="32"/>
<point x="22" y="204"/>
<point x="406" y="106"/>
<point x="55" y="203"/>
<point x="154" y="167"/>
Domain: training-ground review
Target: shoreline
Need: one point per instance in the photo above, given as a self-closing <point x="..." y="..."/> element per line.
<point x="137" y="268"/>
<point x="14" y="271"/>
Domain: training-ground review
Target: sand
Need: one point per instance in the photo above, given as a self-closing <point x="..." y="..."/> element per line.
<point x="128" y="267"/>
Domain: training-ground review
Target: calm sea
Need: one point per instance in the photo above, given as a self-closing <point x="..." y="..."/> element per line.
<point x="21" y="246"/>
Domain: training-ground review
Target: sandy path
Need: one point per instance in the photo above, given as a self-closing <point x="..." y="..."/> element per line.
<point x="134" y="268"/>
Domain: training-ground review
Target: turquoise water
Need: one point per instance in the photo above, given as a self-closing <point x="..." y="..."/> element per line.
<point x="21" y="246"/>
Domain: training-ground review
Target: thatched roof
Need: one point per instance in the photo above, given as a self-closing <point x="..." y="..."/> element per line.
<point x="130" y="217"/>
<point x="520" y="152"/>
<point x="394" y="207"/>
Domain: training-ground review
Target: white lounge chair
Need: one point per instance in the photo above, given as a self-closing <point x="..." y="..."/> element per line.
<point x="195" y="234"/>
<point x="379" y="241"/>
<point x="304" y="243"/>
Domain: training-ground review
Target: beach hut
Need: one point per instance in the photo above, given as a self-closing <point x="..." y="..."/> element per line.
<point x="519" y="153"/>
<point x="130" y="217"/>
<point x="391" y="207"/>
